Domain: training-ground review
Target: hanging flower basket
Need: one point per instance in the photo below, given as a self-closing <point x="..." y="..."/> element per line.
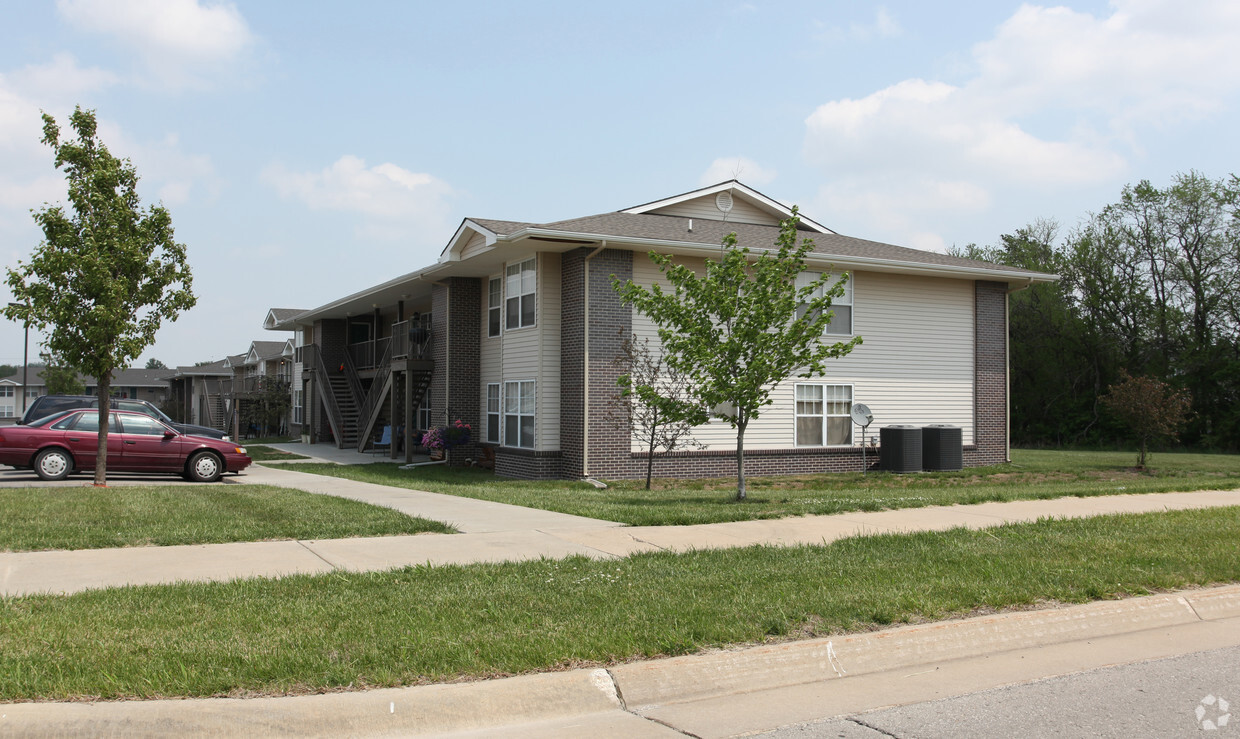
<point x="442" y="438"/>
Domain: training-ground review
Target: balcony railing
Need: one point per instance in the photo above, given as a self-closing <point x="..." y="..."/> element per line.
<point x="366" y="354"/>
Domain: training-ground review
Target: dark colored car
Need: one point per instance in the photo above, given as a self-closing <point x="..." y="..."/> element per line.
<point x="49" y="405"/>
<point x="69" y="442"/>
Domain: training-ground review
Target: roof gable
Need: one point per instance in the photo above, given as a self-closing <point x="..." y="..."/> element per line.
<point x="730" y="201"/>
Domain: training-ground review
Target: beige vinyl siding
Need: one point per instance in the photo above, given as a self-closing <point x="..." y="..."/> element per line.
<point x="548" y="388"/>
<point x="534" y="353"/>
<point x="914" y="367"/>
<point x="704" y="207"/>
<point x="474" y="246"/>
<point x="490" y="357"/>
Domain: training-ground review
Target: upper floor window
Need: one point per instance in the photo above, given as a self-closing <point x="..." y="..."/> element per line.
<point x="495" y="302"/>
<point x="520" y="288"/>
<point x="842" y="307"/>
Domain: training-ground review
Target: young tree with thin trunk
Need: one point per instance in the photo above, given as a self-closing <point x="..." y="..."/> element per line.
<point x="1152" y="410"/>
<point x="744" y="326"/>
<point x="108" y="272"/>
<point x="655" y="403"/>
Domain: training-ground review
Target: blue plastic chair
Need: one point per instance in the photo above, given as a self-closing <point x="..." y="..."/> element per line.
<point x="385" y="440"/>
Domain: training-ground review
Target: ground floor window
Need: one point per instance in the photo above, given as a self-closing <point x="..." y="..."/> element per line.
<point x="424" y="411"/>
<point x="493" y="423"/>
<point x="823" y="415"/>
<point x="519" y="414"/>
<point x="298" y="409"/>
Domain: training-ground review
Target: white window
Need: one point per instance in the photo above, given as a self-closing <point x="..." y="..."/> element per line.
<point x="424" y="411"/>
<point x="6" y="391"/>
<point x="6" y="411"/>
<point x="495" y="304"/>
<point x="493" y="422"/>
<point x="842" y="307"/>
<point x="519" y="414"/>
<point x="520" y="286"/>
<point x="297" y="406"/>
<point x="823" y="415"/>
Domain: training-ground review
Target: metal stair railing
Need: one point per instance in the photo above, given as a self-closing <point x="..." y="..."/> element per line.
<point x="368" y="412"/>
<point x="355" y="380"/>
<point x="334" y="417"/>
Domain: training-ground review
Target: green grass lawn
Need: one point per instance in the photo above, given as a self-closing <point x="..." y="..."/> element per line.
<point x="304" y="634"/>
<point x="1032" y="474"/>
<point x="86" y="518"/>
<point x="261" y="453"/>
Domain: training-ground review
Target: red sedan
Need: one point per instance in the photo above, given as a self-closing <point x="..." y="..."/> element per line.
<point x="68" y="442"/>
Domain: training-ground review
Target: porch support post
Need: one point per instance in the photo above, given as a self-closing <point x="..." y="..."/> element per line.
<point x="408" y="416"/>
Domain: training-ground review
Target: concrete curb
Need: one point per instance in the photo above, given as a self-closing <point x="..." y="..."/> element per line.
<point x="590" y="697"/>
<point x="753" y="669"/>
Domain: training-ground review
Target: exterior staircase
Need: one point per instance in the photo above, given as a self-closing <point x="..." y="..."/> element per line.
<point x="346" y="402"/>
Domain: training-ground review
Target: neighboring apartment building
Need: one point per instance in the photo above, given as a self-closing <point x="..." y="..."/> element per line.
<point x="515" y="331"/>
<point x="214" y="393"/>
<point x="142" y="384"/>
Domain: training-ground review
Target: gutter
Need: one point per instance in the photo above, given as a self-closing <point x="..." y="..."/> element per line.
<point x="691" y="248"/>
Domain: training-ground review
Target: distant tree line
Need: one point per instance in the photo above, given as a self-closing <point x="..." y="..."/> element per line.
<point x="1149" y="286"/>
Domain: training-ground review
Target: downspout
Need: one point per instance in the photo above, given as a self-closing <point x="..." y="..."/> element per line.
<point x="585" y="367"/>
<point x="1007" y="364"/>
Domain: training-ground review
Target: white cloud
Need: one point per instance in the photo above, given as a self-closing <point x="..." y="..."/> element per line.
<point x="182" y="43"/>
<point x="393" y="200"/>
<point x="884" y="25"/>
<point x="1056" y="99"/>
<point x="739" y="168"/>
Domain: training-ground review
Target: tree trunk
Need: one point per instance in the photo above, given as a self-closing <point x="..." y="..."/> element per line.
<point x="654" y="432"/>
<point x="740" y="461"/>
<point x="105" y="418"/>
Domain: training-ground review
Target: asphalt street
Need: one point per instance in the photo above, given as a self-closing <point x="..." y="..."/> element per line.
<point x="1173" y="697"/>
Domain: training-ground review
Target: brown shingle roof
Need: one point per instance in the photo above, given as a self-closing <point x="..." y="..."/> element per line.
<point x="711" y="232"/>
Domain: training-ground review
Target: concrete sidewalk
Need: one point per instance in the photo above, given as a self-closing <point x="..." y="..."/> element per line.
<point x="715" y="694"/>
<point x="498" y="538"/>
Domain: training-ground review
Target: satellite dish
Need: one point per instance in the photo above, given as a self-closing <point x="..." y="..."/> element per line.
<point x="861" y="414"/>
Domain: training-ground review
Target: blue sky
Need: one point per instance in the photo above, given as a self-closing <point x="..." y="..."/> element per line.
<point x="310" y="149"/>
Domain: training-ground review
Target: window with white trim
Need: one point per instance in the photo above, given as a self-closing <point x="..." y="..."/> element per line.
<point x="519" y="289"/>
<point x="495" y="304"/>
<point x="424" y="411"/>
<point x="6" y="391"/>
<point x="842" y="307"/>
<point x="298" y="408"/>
<point x="519" y="414"/>
<point x="823" y="415"/>
<point x="493" y="422"/>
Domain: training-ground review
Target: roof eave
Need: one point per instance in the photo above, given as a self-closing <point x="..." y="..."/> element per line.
<point x="687" y="248"/>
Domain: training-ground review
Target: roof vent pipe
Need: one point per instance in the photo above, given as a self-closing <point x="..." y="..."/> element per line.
<point x="690" y="225"/>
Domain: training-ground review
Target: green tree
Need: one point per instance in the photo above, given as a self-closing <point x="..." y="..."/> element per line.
<point x="743" y="327"/>
<point x="60" y="378"/>
<point x="1151" y="409"/>
<point x="107" y="274"/>
<point x="154" y="363"/>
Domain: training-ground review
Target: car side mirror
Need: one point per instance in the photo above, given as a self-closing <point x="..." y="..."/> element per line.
<point x="169" y="434"/>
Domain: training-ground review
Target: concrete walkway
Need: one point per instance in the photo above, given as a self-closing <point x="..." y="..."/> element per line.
<point x="497" y="532"/>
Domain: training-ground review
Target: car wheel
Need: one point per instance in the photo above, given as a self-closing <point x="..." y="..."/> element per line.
<point x="53" y="464"/>
<point x="204" y="467"/>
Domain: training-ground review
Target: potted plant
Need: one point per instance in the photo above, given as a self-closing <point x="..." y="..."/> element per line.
<point x="439" y="439"/>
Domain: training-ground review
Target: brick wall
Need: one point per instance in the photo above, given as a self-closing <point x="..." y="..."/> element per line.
<point x="463" y="369"/>
<point x="609" y="323"/>
<point x="990" y="375"/>
<point x="528" y="464"/>
<point x="440" y="341"/>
